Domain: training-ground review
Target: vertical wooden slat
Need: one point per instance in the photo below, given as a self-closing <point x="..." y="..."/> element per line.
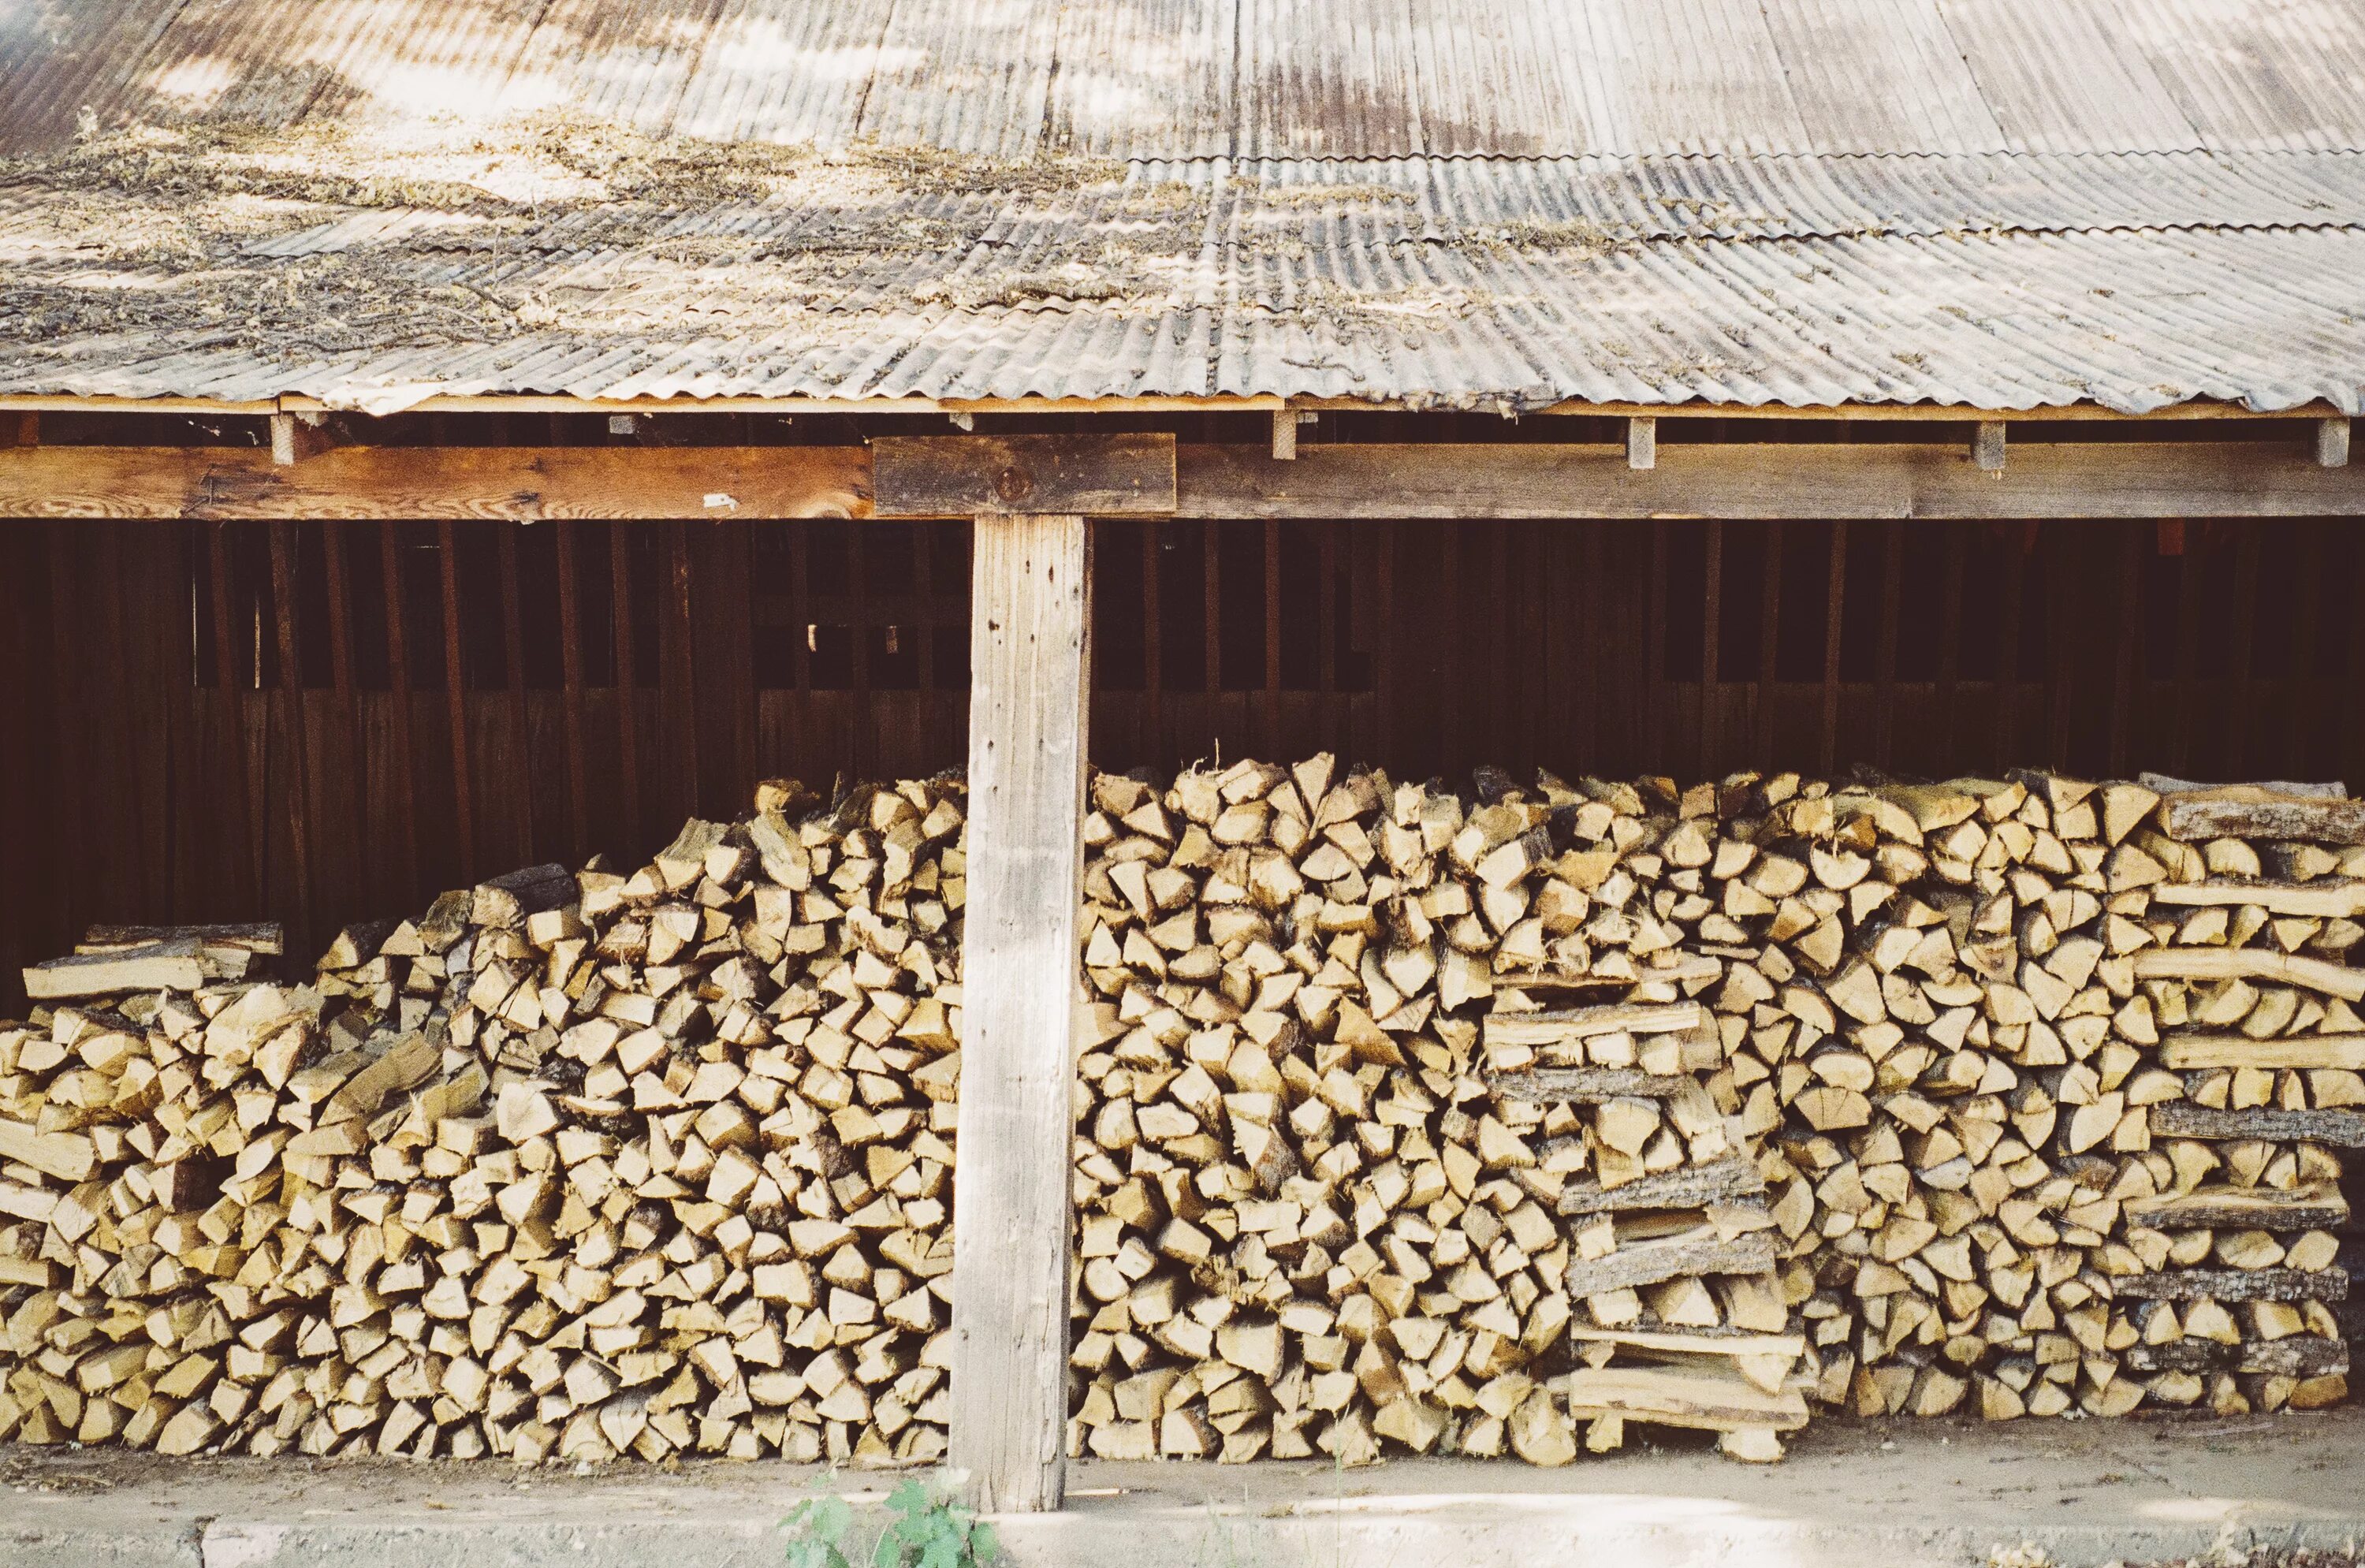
<point x="1212" y="589"/>
<point x="1834" y="608"/>
<point x="1269" y="737"/>
<point x="127" y="768"/>
<point x="1655" y="633"/>
<point x="866" y="738"/>
<point x="2188" y="640"/>
<point x="2062" y="667"/>
<point x="299" y="741"/>
<point x="1503" y="684"/>
<point x="924" y="591"/>
<point x="1029" y="709"/>
<point x="1388" y="678"/>
<point x="397" y="665"/>
<point x="2303" y="729"/>
<point x="628" y="698"/>
<point x="1326" y="654"/>
<point x="2238" y="761"/>
<point x="456" y="697"/>
<point x="570" y="675"/>
<point x="2130" y="649"/>
<point x="2007" y="711"/>
<point x="1712" y="635"/>
<point x="352" y="743"/>
<point x="521" y="783"/>
<point x="231" y="713"/>
<point x="678" y="681"/>
<point x="1884" y="675"/>
<point x="71" y="739"/>
<point x="2353" y="701"/>
<point x="1452" y="630"/>
<point x="1153" y="646"/>
<point x="1769" y="647"/>
<point x="1948" y="749"/>
<point x="1591" y="638"/>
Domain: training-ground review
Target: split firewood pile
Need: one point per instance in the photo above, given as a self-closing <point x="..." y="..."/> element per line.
<point x="2061" y="1071"/>
<point x="1400" y="1122"/>
<point x="1494" y="1122"/>
<point x="581" y="1166"/>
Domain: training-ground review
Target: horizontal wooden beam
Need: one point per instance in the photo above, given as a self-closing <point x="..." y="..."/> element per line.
<point x="520" y="484"/>
<point x="1018" y="475"/>
<point x="551" y="403"/>
<point x="2081" y="480"/>
<point x="2098" y="479"/>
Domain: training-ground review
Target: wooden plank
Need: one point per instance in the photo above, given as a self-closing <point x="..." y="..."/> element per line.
<point x="2242" y="646"/>
<point x="1103" y="475"/>
<point x="2130" y="645"/>
<point x="456" y="697"/>
<point x="1711" y="636"/>
<point x="2317" y="1207"/>
<point x="1030" y="661"/>
<point x="1566" y="1026"/>
<point x="570" y="675"/>
<point x="437" y="483"/>
<point x="2250" y="963"/>
<point x="1681" y="1396"/>
<point x="2195" y="1051"/>
<point x="2190" y="613"/>
<point x="299" y="739"/>
<point x="2334" y="898"/>
<point x="1722" y="1180"/>
<point x="2342" y="1129"/>
<point x="1835" y="606"/>
<point x="2242" y="810"/>
<point x="1769" y="647"/>
<point x="1884" y="696"/>
<point x="1554" y="1085"/>
<point x="2300" y="1355"/>
<point x="398" y="664"/>
<point x="1269" y="735"/>
<point x="1682" y="1256"/>
<point x="351" y="747"/>
<point x="2233" y="1285"/>
<point x="2146" y="479"/>
<point x="628" y="703"/>
<point x="1655" y="686"/>
<point x="522" y="746"/>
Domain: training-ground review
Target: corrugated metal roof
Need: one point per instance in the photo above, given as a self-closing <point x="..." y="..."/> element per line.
<point x="1484" y="202"/>
<point x="1242" y="78"/>
<point x="2001" y="282"/>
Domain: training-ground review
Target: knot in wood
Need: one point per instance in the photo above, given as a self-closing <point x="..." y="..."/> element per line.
<point x="1012" y="485"/>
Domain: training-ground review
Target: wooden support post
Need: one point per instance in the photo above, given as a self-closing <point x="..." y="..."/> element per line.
<point x="1987" y="447"/>
<point x="1642" y="443"/>
<point x="295" y="437"/>
<point x="1284" y="434"/>
<point x="1029" y="616"/>
<point x="2332" y="443"/>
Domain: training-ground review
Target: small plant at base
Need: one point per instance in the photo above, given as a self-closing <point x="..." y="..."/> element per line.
<point x="925" y="1530"/>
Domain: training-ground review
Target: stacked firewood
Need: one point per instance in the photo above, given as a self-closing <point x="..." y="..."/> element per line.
<point x="582" y="1165"/>
<point x="2000" y="1084"/>
<point x="1348" y="1175"/>
<point x="1487" y="1122"/>
<point x="2262" y="1033"/>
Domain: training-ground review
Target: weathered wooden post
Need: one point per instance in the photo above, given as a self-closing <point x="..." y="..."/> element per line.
<point x="1030" y="612"/>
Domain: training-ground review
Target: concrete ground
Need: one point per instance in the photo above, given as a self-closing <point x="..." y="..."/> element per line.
<point x="1853" y="1495"/>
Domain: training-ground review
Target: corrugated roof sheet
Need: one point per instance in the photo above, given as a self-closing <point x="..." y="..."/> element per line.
<point x="1483" y="203"/>
<point x="1241" y="78"/>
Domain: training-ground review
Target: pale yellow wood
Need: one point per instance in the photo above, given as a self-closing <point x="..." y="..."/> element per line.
<point x="1029" y="663"/>
<point x="2250" y="963"/>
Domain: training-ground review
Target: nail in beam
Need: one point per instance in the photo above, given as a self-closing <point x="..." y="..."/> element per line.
<point x="1030" y="613"/>
<point x="1029" y="620"/>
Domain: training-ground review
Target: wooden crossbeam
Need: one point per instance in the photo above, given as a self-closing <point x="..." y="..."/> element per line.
<point x="984" y="475"/>
<point x="1345" y="481"/>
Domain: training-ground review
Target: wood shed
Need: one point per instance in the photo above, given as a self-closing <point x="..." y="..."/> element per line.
<point x="446" y="438"/>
